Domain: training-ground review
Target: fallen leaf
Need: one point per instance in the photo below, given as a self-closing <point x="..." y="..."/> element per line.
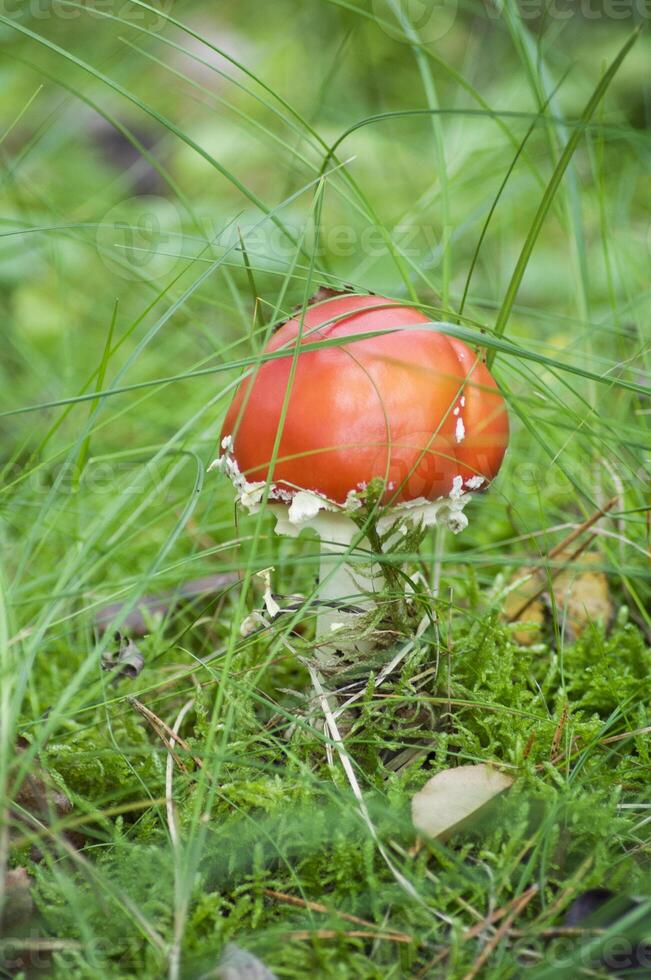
<point x="534" y="616"/>
<point x="23" y="953"/>
<point x="239" y="964"/>
<point x="602" y="909"/>
<point x="581" y="597"/>
<point x="18" y="906"/>
<point x="39" y="802"/>
<point x="126" y="661"/>
<point x="588" y="905"/>
<point x="451" y="796"/>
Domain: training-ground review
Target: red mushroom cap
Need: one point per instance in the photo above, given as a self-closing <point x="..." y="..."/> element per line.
<point x="415" y="408"/>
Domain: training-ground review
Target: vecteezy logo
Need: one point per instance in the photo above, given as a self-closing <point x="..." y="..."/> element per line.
<point x="141" y="238"/>
<point x="415" y="20"/>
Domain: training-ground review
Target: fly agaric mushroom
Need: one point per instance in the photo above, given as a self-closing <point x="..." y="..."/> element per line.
<point x="382" y="433"/>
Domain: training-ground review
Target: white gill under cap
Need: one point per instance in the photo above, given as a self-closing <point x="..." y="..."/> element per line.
<point x="308" y="508"/>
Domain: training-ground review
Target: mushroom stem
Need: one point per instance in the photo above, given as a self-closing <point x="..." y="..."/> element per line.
<point x="346" y="588"/>
<point x="341" y="583"/>
<point x="344" y="583"/>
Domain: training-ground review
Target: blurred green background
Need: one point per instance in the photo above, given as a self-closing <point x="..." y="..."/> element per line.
<point x="136" y="153"/>
<point x="175" y="178"/>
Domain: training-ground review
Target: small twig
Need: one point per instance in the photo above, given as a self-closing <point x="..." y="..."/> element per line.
<point x="573" y="535"/>
<point x="397" y="937"/>
<point x="473" y="932"/>
<point x="563" y="899"/>
<point x="620" y="738"/>
<point x="324" y="910"/>
<point x="500" y="933"/>
<point x="560" y="548"/>
<point x="304" y="903"/>
<point x="166" y="734"/>
<point x="557" y="932"/>
<point x="553" y="574"/>
<point x="158" y="725"/>
<point x="37" y="945"/>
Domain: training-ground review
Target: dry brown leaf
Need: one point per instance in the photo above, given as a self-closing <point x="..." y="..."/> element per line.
<point x="581" y="597"/>
<point x="534" y="616"/>
<point x="39" y="801"/>
<point x="451" y="796"/>
<point x="18" y="905"/>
